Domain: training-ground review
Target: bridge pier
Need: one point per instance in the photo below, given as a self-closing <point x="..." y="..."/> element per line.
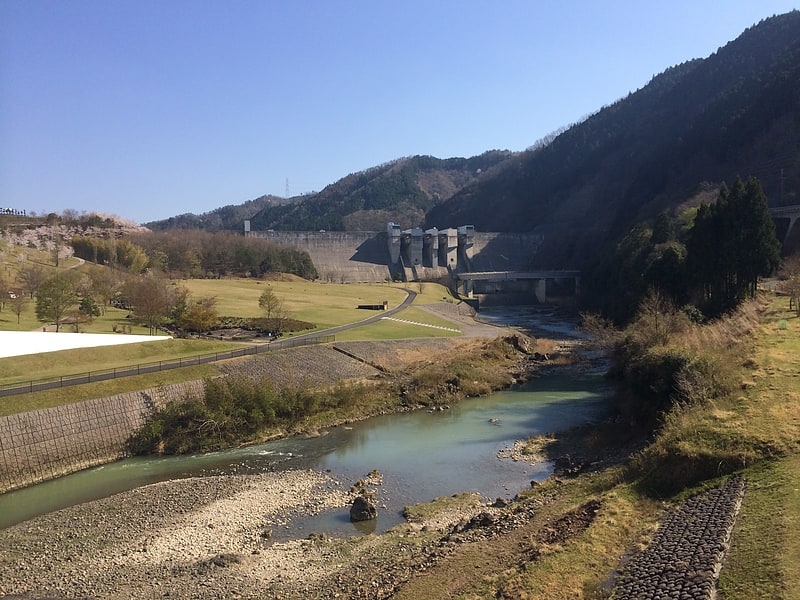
<point x="786" y="212"/>
<point x="531" y="284"/>
<point x="540" y="290"/>
<point x="792" y="221"/>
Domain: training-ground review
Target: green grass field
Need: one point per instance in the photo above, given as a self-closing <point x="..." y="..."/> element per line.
<point x="323" y="304"/>
<point x="764" y="559"/>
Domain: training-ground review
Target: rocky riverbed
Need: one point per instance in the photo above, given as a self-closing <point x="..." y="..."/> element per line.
<point x="204" y="537"/>
<point x="220" y="537"/>
<point x="212" y="537"/>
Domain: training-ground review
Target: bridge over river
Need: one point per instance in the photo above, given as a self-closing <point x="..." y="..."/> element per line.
<point x="559" y="283"/>
<point x="791" y="213"/>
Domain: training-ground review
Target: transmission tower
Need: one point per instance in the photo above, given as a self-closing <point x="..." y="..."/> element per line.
<point x="287" y="187"/>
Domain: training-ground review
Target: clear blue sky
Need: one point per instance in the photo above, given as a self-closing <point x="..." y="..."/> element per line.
<point x="152" y="108"/>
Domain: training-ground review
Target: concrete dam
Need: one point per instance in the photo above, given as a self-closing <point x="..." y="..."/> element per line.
<point x="492" y="267"/>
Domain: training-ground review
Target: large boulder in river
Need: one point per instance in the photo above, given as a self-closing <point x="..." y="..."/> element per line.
<point x="363" y="509"/>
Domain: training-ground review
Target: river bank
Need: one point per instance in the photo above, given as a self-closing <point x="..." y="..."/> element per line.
<point x="201" y="537"/>
<point x="212" y="537"/>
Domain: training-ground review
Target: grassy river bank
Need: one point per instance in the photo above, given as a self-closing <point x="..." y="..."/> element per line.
<point x="564" y="538"/>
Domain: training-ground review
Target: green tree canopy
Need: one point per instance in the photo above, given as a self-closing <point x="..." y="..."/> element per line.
<point x="731" y="245"/>
<point x="57" y="295"/>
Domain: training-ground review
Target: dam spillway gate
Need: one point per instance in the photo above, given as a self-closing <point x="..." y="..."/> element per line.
<point x="487" y="266"/>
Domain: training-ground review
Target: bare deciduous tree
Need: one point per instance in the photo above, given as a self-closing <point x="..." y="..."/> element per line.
<point x="269" y="303"/>
<point x="274" y="310"/>
<point x="657" y="320"/>
<point x="151" y="298"/>
<point x="31" y="277"/>
<point x="201" y="314"/>
<point x="791" y="287"/>
<point x="18" y="301"/>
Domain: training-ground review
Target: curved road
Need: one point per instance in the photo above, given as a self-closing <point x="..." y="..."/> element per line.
<point x="411" y="295"/>
<point x="473" y="330"/>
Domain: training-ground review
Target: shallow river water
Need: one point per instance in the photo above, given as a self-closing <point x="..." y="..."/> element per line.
<point x="421" y="455"/>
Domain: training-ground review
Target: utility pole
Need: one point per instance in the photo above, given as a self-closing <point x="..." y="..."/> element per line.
<point x="782" y="180"/>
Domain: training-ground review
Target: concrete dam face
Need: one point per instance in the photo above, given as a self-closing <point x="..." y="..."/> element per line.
<point x="339" y="256"/>
<point x="412" y="255"/>
<point x="491" y="267"/>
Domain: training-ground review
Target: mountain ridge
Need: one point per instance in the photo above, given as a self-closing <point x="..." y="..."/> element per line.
<point x="692" y="127"/>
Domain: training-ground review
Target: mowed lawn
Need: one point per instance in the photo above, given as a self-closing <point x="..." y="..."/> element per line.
<point x="323" y="304"/>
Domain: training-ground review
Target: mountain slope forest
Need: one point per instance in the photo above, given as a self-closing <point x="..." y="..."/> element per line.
<point x="667" y="146"/>
<point x="693" y="126"/>
<point x="226" y="218"/>
<point x="401" y="190"/>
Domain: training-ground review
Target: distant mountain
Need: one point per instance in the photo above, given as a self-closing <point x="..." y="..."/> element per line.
<point x="692" y="127"/>
<point x="699" y="123"/>
<point x="402" y="191"/>
<point x="230" y="217"/>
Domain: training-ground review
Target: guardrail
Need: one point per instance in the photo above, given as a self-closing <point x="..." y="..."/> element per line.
<point x="49" y="383"/>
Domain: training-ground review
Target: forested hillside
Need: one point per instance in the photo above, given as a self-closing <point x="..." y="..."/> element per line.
<point x="668" y="145"/>
<point x="401" y="191"/>
<point x="227" y="218"/>
<point x="736" y="112"/>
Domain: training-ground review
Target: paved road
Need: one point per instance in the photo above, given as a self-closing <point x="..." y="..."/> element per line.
<point x="76" y="379"/>
<point x="411" y="295"/>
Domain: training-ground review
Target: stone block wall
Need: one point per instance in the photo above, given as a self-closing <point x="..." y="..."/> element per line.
<point x="47" y="443"/>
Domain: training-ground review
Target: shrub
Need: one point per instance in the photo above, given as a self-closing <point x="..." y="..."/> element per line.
<point x="704" y="378"/>
<point x="651" y="383"/>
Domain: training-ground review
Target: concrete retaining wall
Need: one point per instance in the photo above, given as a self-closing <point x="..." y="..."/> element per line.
<point x="44" y="444"/>
<point x="340" y="256"/>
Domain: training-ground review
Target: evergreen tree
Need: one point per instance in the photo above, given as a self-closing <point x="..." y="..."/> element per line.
<point x="663" y="230"/>
<point x="731" y="245"/>
<point x="759" y="249"/>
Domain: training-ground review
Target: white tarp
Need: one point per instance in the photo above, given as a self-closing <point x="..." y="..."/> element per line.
<point x="17" y="343"/>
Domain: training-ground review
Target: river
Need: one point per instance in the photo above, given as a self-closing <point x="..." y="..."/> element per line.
<point x="421" y="455"/>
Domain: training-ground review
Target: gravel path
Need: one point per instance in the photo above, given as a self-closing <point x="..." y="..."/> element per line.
<point x="684" y="558"/>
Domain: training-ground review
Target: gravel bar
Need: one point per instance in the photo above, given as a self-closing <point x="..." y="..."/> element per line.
<point x="199" y="538"/>
<point x="684" y="559"/>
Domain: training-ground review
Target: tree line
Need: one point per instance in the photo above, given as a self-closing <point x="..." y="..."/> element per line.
<point x="195" y="254"/>
<point x="674" y="304"/>
<point x="707" y="259"/>
<point x="138" y="273"/>
<point x="71" y="297"/>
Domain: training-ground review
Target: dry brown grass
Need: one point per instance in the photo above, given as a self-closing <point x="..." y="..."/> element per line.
<point x="726" y="333"/>
<point x="535" y="560"/>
